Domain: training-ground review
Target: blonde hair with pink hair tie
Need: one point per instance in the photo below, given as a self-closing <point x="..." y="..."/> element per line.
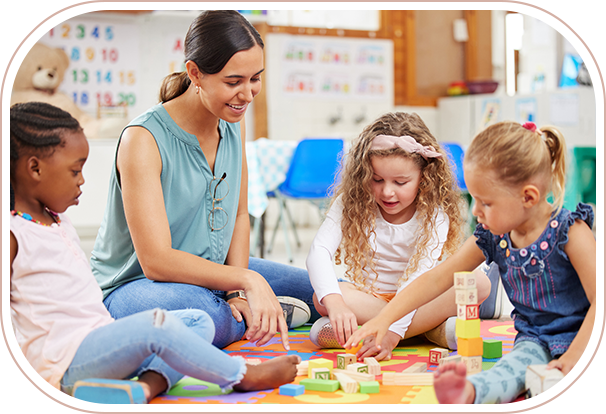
<point x="406" y="142"/>
<point x="531" y="126"/>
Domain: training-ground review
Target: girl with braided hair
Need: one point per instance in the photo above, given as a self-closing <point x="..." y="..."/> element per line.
<point x="62" y="326"/>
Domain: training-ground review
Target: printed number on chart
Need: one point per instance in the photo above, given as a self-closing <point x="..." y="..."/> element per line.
<point x="79" y="32"/>
<point x="107" y="55"/>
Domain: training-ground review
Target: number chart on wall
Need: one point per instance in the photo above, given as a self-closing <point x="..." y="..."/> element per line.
<point x="104" y="58"/>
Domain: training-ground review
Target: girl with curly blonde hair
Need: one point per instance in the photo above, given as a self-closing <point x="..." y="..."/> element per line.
<point x="394" y="215"/>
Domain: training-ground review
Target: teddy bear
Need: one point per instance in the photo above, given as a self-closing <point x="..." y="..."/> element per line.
<point x="38" y="79"/>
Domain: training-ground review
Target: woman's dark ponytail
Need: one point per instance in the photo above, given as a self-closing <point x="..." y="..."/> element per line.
<point x="212" y="39"/>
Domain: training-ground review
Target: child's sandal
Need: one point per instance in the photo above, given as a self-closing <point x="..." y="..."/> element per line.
<point x="108" y="391"/>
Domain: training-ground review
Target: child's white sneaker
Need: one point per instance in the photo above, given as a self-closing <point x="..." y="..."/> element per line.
<point x="322" y="335"/>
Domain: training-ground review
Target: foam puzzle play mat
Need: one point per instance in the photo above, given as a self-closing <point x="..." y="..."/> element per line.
<point x="405" y="379"/>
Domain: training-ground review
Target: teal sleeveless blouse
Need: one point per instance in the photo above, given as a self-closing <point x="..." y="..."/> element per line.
<point x="186" y="180"/>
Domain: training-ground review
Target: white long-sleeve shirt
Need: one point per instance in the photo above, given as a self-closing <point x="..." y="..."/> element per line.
<point x="394" y="246"/>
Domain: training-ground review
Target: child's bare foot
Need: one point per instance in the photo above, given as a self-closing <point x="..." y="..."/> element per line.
<point x="451" y="385"/>
<point x="269" y="374"/>
<point x="152" y="384"/>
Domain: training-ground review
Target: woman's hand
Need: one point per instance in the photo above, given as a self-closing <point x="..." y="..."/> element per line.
<point x="369" y="348"/>
<point x="267" y="316"/>
<point x="343" y="320"/>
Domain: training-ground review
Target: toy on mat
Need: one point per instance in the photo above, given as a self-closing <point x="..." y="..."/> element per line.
<point x="320" y="373"/>
<point x="358" y="376"/>
<point x="303" y="368"/>
<point x="437" y="354"/>
<point x="539" y="379"/>
<point x="347" y="383"/>
<point x="374" y="367"/>
<point x="469" y="343"/>
<point x="358" y="367"/>
<point x="452" y="358"/>
<point x="292" y="389"/>
<point x="319" y="363"/>
<point x="320" y="385"/>
<point x="492" y="348"/>
<point x="418" y="367"/>
<point x="343" y="360"/>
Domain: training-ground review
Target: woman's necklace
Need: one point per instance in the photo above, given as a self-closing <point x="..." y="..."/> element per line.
<point x="26" y="216"/>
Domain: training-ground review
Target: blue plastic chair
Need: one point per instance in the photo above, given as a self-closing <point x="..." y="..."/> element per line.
<point x="313" y="170"/>
<point x="455" y="155"/>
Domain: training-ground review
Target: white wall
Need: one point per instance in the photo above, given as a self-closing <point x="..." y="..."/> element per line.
<point x="455" y="119"/>
<point x="573" y="111"/>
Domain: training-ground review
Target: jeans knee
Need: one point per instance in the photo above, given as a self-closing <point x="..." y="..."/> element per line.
<point x="158" y="317"/>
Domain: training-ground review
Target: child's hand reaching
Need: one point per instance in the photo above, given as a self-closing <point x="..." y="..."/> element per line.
<point x="382" y="353"/>
<point x="342" y="319"/>
<point x="564" y="363"/>
<point x="377" y="327"/>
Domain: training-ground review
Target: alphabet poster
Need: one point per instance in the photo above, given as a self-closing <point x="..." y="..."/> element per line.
<point x="334" y="67"/>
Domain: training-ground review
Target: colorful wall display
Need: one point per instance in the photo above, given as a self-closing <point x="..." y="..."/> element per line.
<point x="104" y="61"/>
<point x="330" y="67"/>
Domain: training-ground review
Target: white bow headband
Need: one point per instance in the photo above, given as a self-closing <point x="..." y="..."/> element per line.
<point x="406" y="142"/>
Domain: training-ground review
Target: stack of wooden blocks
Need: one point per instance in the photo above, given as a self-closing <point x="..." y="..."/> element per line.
<point x="469" y="342"/>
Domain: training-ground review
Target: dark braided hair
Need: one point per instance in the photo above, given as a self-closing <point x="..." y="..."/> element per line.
<point x="37" y="128"/>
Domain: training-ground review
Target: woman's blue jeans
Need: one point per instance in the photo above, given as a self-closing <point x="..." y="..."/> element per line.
<point x="144" y="294"/>
<point x="172" y="344"/>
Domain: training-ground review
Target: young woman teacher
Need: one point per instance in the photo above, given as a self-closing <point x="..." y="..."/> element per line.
<point x="175" y="234"/>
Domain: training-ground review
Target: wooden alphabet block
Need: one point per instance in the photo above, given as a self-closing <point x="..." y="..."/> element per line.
<point x="539" y="379"/>
<point x="347" y="384"/>
<point x="417" y="367"/>
<point x="358" y="367"/>
<point x="468" y="311"/>
<point x="473" y="364"/>
<point x="436" y="354"/>
<point x="454" y="358"/>
<point x="465" y="280"/>
<point x="320" y="373"/>
<point x="374" y="367"/>
<point x="470" y="346"/>
<point x="343" y="360"/>
<point x="303" y="368"/>
<point x="466" y="296"/>
<point x="292" y="389"/>
<point x="318" y="363"/>
<point x="320" y="385"/>
<point x="492" y="348"/>
<point x="358" y="376"/>
<point x="469" y="328"/>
